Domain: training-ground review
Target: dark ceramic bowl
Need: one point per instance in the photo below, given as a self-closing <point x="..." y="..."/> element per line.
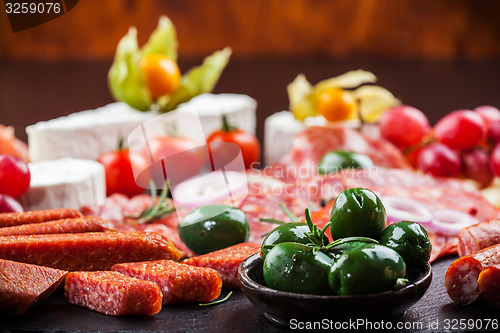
<point x="280" y="307"/>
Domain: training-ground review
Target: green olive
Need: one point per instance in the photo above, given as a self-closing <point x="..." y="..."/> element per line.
<point x="213" y="227"/>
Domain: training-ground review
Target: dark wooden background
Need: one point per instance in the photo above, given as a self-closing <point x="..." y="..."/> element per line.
<point x="436" y="55"/>
<point x="436" y="29"/>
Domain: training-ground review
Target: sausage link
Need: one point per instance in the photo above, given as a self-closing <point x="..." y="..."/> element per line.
<point x="10" y="219"/>
<point x="226" y="261"/>
<point x="18" y="293"/>
<point x="462" y="275"/>
<point x="91" y="251"/>
<point x="489" y="285"/>
<point x="178" y="282"/>
<point x="72" y="225"/>
<point x="478" y="237"/>
<point x="112" y="293"/>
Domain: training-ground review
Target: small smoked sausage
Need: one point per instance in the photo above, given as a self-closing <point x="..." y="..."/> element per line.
<point x="478" y="237"/>
<point x="10" y="219"/>
<point x="23" y="285"/>
<point x="91" y="251"/>
<point x="64" y="226"/>
<point x="226" y="261"/>
<point x="489" y="285"/>
<point x="178" y="282"/>
<point x="461" y="277"/>
<point x="112" y="293"/>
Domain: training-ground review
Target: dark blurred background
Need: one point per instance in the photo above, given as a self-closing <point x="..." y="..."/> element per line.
<point x="436" y="55"/>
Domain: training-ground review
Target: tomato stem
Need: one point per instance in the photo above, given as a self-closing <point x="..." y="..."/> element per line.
<point x="226" y="125"/>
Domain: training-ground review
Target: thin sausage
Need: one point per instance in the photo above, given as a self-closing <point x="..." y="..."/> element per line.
<point x="226" y="261"/>
<point x="112" y="293"/>
<point x="489" y="285"/>
<point x="23" y="285"/>
<point x="87" y="251"/>
<point x="10" y="219"/>
<point x="478" y="237"/>
<point x="73" y="225"/>
<point x="178" y="282"/>
<point x="462" y="275"/>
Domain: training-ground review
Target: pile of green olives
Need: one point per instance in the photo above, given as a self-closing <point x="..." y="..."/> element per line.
<point x="364" y="257"/>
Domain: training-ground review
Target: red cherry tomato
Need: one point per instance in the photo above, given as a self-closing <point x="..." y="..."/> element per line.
<point x="119" y="166"/>
<point x="15" y="176"/>
<point x="179" y="153"/>
<point x="248" y="143"/>
<point x="9" y="205"/>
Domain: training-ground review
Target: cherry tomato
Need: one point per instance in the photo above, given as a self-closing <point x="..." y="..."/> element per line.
<point x="462" y="129"/>
<point x="162" y="75"/>
<point x="248" y="143"/>
<point x="176" y="150"/>
<point x="404" y="126"/>
<point x="118" y="166"/>
<point x="336" y="104"/>
<point x="15" y="176"/>
<point x="9" y="204"/>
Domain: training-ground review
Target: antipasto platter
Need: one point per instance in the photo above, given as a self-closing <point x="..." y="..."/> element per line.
<point x="363" y="216"/>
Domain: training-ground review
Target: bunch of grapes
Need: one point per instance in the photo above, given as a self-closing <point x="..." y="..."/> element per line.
<point x="464" y="143"/>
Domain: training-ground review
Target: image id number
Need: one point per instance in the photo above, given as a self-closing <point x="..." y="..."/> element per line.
<point x="471" y="324"/>
<point x="32" y="7"/>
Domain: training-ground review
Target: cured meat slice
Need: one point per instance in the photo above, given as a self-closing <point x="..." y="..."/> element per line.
<point x="478" y="237"/>
<point x="74" y="225"/>
<point x="112" y="293"/>
<point x="462" y="275"/>
<point x="309" y="146"/>
<point x="489" y="285"/>
<point x="179" y="283"/>
<point x="87" y="251"/>
<point x="226" y="261"/>
<point x="10" y="219"/>
<point x="24" y="285"/>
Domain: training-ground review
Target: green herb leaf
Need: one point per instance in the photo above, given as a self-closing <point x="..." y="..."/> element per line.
<point x="218" y="301"/>
<point x="198" y="80"/>
<point x="400" y="283"/>
<point x="288" y="213"/>
<point x="274" y="221"/>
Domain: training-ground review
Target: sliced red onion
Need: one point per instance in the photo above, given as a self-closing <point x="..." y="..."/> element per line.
<point x="449" y="222"/>
<point x="228" y="187"/>
<point x="405" y="209"/>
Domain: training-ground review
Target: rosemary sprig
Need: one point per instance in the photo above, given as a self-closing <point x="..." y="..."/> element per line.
<point x="158" y="210"/>
<point x="218" y="301"/>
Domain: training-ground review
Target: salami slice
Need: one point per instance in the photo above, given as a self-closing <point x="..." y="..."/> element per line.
<point x="73" y="225"/>
<point x="24" y="285"/>
<point x="179" y="283"/>
<point x="478" y="237"/>
<point x="461" y="278"/>
<point x="226" y="261"/>
<point x="112" y="293"/>
<point x="10" y="219"/>
<point x="489" y="285"/>
<point x="87" y="251"/>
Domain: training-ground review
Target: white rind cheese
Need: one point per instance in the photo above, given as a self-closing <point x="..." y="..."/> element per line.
<point x="279" y="130"/>
<point x="88" y="134"/>
<point x="65" y="183"/>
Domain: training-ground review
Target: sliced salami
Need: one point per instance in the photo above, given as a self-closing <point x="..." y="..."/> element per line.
<point x="478" y="237"/>
<point x="489" y="285"/>
<point x="18" y="293"/>
<point x="179" y="283"/>
<point x="462" y="276"/>
<point x="112" y="293"/>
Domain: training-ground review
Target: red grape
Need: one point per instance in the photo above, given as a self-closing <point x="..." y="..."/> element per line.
<point x="489" y="114"/>
<point x="476" y="166"/>
<point x="462" y="129"/>
<point x="494" y="132"/>
<point x="404" y="126"/>
<point x="495" y="160"/>
<point x="14" y="176"/>
<point x="439" y="160"/>
<point x="9" y="204"/>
